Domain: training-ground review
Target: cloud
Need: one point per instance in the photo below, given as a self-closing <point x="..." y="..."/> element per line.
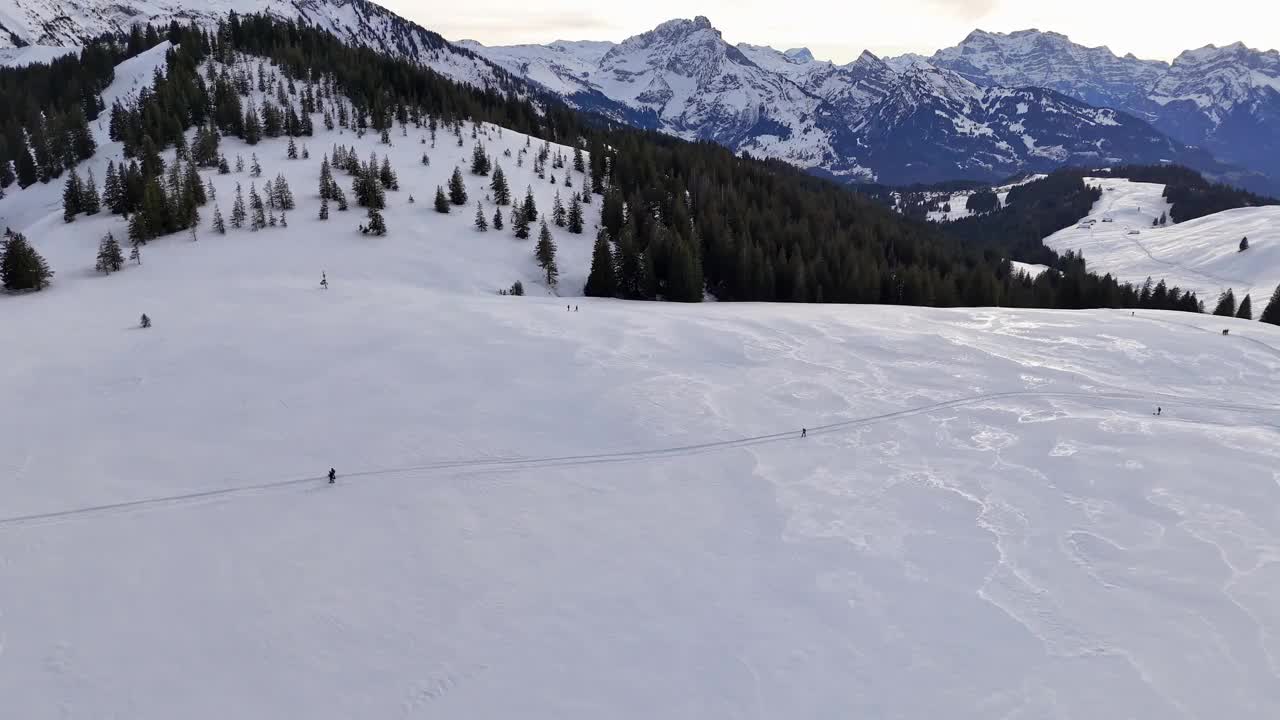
<point x="966" y="10"/>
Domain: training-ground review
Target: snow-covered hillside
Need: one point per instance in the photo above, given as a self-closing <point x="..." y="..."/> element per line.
<point x="954" y="206"/>
<point x="1201" y="255"/>
<point x="359" y="22"/>
<point x="607" y="512"/>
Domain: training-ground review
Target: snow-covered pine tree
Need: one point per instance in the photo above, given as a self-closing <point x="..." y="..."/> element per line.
<point x="1271" y="313"/>
<point x="457" y="189"/>
<point x="377" y="225"/>
<point x="110" y="258"/>
<point x="255" y="167"/>
<point x="442" y="202"/>
<point x="498" y="184"/>
<point x="219" y="226"/>
<point x="90" y="201"/>
<point x="237" y="209"/>
<point x="259" y="220"/>
<point x="575" y="215"/>
<point x="71" y="196"/>
<point x="292" y="152"/>
<point x="480" y="222"/>
<point x="558" y="215"/>
<point x="497" y="219"/>
<point x="21" y="267"/>
<point x="324" y="208"/>
<point x="545" y="252"/>
<point x="530" y="208"/>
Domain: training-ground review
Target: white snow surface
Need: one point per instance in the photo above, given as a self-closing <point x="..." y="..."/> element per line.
<point x="1032" y="269"/>
<point x="1201" y="255"/>
<point x="607" y="513"/>
<point x="32" y="54"/>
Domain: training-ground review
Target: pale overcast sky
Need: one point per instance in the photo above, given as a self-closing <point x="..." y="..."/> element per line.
<point x="835" y="30"/>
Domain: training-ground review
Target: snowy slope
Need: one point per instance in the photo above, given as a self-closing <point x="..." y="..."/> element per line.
<point x="358" y="22"/>
<point x="957" y="202"/>
<point x="1201" y="255"/>
<point x="31" y="54"/>
<point x="607" y="513"/>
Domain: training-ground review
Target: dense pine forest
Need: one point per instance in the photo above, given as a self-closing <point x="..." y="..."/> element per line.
<point x="677" y="219"/>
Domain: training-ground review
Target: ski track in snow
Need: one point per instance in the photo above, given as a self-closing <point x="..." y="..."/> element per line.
<point x="606" y="513"/>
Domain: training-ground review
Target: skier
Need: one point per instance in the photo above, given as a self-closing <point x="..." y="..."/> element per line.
<point x="145" y="321"/>
<point x="333" y="475"/>
<point x="324" y="280"/>
<point x="1159" y="410"/>
<point x="575" y="308"/>
<point x="804" y="432"/>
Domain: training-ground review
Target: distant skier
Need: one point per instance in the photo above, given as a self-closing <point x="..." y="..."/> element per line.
<point x="333" y="475"/>
<point x="145" y="321"/>
<point x="575" y="308"/>
<point x="804" y="432"/>
<point x="324" y="280"/>
<point x="1159" y="410"/>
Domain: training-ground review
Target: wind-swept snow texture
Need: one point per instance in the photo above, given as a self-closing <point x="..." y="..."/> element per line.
<point x="550" y="514"/>
<point x="1201" y="255"/>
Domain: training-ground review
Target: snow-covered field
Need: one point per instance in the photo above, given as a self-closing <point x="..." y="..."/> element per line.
<point x="957" y="201"/>
<point x="1201" y="255"/>
<point x="608" y="513"/>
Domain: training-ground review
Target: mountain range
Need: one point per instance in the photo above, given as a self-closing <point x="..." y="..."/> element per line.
<point x="993" y="106"/>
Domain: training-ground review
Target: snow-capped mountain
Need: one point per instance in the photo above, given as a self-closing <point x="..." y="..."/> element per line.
<point x="1224" y="99"/>
<point x="65" y="23"/>
<point x="900" y="122"/>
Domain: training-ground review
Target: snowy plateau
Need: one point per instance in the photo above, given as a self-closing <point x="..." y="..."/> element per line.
<point x="559" y="507"/>
<point x="1202" y="255"/>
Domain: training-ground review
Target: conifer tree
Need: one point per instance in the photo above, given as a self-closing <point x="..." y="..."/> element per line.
<point x="324" y="208"/>
<point x="497" y="219"/>
<point x="292" y="152"/>
<point x="457" y="189"/>
<point x="219" y="226"/>
<point x="1244" y="244"/>
<point x="575" y="215"/>
<point x="112" y="194"/>
<point x="1245" y="312"/>
<point x="387" y="176"/>
<point x="530" y="208"/>
<point x="558" y="215"/>
<point x="603" y="279"/>
<point x="1271" y="313"/>
<point x="90" y="201"/>
<point x="1226" y="306"/>
<point x="479" y="160"/>
<point x="259" y="220"/>
<point x="71" y="197"/>
<point x="281" y="194"/>
<point x="481" y="223"/>
<point x="223" y="167"/>
<point x="255" y="168"/>
<point x="684" y="278"/>
<point x="239" y="163"/>
<point x="442" y="202"/>
<point x="578" y="163"/>
<point x="135" y="253"/>
<point x="545" y="252"/>
<point x="501" y="193"/>
<point x="237" y="209"/>
<point x="271" y="217"/>
<point x="110" y="257"/>
<point x="377" y="225"/>
<point x="520" y="224"/>
<point x="21" y="267"/>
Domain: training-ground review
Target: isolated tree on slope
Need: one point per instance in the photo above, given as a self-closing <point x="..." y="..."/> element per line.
<point x="497" y="219"/>
<point x="21" y="267"/>
<point x="1271" y="313"/>
<point x="545" y="252"/>
<point x="219" y="226"/>
<point x="110" y="257"/>
<point x="457" y="189"/>
<point x="1244" y="244"/>
<point x="1226" y="306"/>
<point x="501" y="193"/>
<point x="1245" y="312"/>
<point x="481" y="223"/>
<point x="237" y="209"/>
<point x="575" y="215"/>
<point x="442" y="202"/>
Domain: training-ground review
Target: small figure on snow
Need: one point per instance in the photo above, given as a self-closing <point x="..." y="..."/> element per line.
<point x="145" y="321"/>
<point x="333" y="475"/>
<point x="575" y="308"/>
<point x="1159" y="411"/>
<point x="324" y="280"/>
<point x="804" y="432"/>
